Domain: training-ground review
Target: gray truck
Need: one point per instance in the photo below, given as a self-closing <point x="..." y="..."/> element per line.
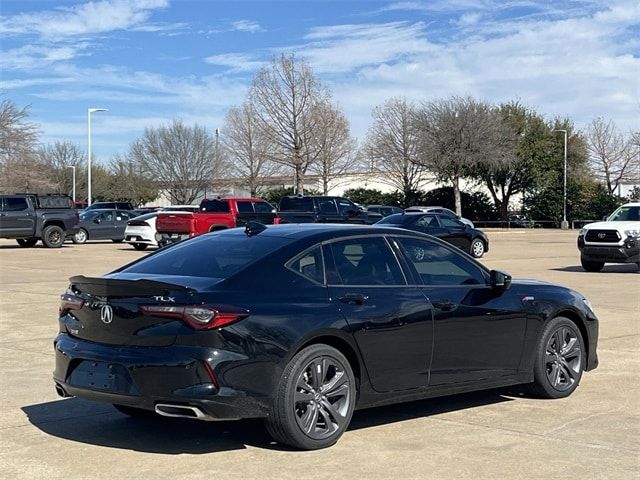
<point x="28" y="218"/>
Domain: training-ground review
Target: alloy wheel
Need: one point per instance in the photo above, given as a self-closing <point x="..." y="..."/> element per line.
<point x="477" y="248"/>
<point x="322" y="397"/>
<point x="563" y="358"/>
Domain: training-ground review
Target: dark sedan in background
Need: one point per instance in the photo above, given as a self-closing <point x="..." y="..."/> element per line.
<point x="303" y="324"/>
<point x="103" y="224"/>
<point x="452" y="230"/>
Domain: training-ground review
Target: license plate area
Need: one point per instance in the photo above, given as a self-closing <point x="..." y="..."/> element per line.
<point x="104" y="376"/>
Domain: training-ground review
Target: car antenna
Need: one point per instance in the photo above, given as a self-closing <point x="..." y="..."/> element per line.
<point x="254" y="228"/>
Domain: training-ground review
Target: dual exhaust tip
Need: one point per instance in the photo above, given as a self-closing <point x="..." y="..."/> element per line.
<point x="164" y="409"/>
<point x="180" y="411"/>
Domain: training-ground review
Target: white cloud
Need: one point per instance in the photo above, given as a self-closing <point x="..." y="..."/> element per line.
<point x="37" y="56"/>
<point x="82" y="19"/>
<point x="236" y="62"/>
<point x="247" y="26"/>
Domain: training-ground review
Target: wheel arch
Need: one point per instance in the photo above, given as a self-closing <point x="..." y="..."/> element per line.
<point x="56" y="223"/>
<point x="217" y="227"/>
<point x="343" y="346"/>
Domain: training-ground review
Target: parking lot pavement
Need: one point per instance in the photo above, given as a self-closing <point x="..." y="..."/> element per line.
<point x="595" y="433"/>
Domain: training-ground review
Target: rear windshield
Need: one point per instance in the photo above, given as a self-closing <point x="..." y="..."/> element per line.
<point x="215" y="206"/>
<point x="296" y="204"/>
<point x="217" y="255"/>
<point x="395" y="219"/>
<point x="146" y="216"/>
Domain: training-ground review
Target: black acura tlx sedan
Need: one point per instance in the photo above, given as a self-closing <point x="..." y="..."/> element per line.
<point x="302" y="324"/>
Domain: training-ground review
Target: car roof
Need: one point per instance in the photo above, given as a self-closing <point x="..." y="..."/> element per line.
<point x="631" y="204"/>
<point x="297" y="231"/>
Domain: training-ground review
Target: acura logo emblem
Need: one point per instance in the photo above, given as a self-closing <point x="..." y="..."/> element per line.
<point x="602" y="235"/>
<point x="106" y="314"/>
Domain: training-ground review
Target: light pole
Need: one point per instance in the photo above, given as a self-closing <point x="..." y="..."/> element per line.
<point x="564" y="225"/>
<point x="74" y="182"/>
<point x="89" y="112"/>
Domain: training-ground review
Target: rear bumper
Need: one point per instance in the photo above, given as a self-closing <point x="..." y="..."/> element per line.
<point x="166" y="238"/>
<point x="139" y="239"/>
<point x="142" y="377"/>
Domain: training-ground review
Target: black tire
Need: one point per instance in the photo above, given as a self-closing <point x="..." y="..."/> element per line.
<point x="135" y="412"/>
<point x="560" y="359"/>
<point x="27" y="242"/>
<point x="140" y="246"/>
<point x="117" y="240"/>
<point x="591" y="265"/>
<point x="477" y="248"/>
<point x="81" y="237"/>
<point x="53" y="236"/>
<point x="325" y="402"/>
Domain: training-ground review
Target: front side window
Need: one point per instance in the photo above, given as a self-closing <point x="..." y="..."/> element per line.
<point x="309" y="265"/>
<point x="366" y="261"/>
<point x="106" y="217"/>
<point x="327" y="206"/>
<point x="345" y="206"/>
<point x="438" y="265"/>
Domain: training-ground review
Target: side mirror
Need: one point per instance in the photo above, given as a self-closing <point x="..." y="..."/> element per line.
<point x="604" y="219"/>
<point x="500" y="280"/>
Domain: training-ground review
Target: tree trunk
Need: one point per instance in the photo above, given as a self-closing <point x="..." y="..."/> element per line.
<point x="456" y="194"/>
<point x="299" y="180"/>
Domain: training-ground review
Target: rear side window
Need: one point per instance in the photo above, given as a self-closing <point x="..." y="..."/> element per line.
<point x="15" y="204"/>
<point x="214" y="256"/>
<point x="245" y="207"/>
<point x="296" y="204"/>
<point x="309" y="265"/>
<point x="327" y="205"/>
<point x="220" y="206"/>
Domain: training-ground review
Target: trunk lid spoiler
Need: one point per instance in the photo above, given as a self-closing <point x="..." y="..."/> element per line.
<point x="115" y="287"/>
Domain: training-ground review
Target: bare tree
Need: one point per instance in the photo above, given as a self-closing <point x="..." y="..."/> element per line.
<point x="182" y="159"/>
<point x="456" y="134"/>
<point x="247" y="148"/>
<point x="60" y="157"/>
<point x="333" y="145"/>
<point x="285" y="95"/>
<point x="392" y="145"/>
<point x="611" y="155"/>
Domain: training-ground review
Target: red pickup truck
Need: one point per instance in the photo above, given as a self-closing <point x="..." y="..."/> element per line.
<point x="215" y="214"/>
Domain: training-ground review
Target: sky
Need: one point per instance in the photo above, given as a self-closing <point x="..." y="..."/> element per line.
<point x="150" y="61"/>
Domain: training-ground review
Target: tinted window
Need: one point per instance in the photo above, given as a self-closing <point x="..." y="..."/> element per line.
<point x="88" y="215"/>
<point x="15" y="204"/>
<point x="215" y="206"/>
<point x="181" y="209"/>
<point x="215" y="256"/>
<point x="55" y="201"/>
<point x="297" y="204"/>
<point x="262" y="207"/>
<point x="345" y="205"/>
<point x="448" y="222"/>
<point x="309" y="265"/>
<point x="327" y="205"/>
<point x="437" y="265"/>
<point x="245" y="207"/>
<point x="366" y="261"/>
<point x="106" y="217"/>
<point x="427" y="221"/>
<point x="397" y="219"/>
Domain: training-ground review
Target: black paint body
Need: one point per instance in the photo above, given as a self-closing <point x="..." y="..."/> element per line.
<point x="404" y="342"/>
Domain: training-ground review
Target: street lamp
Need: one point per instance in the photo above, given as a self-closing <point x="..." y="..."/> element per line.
<point x="564" y="225"/>
<point x="89" y="112"/>
<point x="74" y="182"/>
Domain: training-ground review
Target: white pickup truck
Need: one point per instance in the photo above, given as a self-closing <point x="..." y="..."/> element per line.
<point x="615" y="240"/>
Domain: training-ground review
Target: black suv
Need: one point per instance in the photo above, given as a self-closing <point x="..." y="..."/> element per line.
<point x="322" y="209"/>
<point x="29" y="218"/>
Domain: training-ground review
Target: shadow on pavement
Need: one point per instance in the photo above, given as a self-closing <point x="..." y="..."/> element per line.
<point x="618" y="268"/>
<point x="99" y="424"/>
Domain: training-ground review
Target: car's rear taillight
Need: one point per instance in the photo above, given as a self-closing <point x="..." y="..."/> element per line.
<point x="276" y="221"/>
<point x="69" y="301"/>
<point x="200" y="317"/>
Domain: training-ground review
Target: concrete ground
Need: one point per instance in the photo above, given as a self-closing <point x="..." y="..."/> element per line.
<point x="595" y="433"/>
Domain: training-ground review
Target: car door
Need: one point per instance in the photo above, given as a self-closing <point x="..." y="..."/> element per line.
<point x="120" y="225"/>
<point x="103" y="226"/>
<point x="478" y="330"/>
<point x="391" y="321"/>
<point x="18" y="217"/>
<point x="455" y="232"/>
